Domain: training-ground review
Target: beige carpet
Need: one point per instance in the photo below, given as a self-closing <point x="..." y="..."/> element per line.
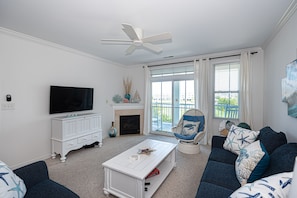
<point x="83" y="172"/>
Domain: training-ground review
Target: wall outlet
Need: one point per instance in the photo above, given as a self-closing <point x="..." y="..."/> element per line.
<point x="7" y="106"/>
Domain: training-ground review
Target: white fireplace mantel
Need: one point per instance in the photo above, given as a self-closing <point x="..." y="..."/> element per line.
<point x="123" y="106"/>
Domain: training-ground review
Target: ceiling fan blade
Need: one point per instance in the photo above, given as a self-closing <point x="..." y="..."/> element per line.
<point x="130" y="49"/>
<point x="130" y="31"/>
<point x="116" y="42"/>
<point x="165" y="37"/>
<point x="152" y="47"/>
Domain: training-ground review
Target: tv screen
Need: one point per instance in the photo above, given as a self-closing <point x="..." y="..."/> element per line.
<point x="70" y="99"/>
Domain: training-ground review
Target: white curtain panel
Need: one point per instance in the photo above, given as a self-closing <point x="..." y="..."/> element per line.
<point x="147" y="101"/>
<point x="202" y="94"/>
<point x="245" y="92"/>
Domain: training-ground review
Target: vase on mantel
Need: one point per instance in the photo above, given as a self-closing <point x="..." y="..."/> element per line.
<point x="112" y="131"/>
<point x="127" y="96"/>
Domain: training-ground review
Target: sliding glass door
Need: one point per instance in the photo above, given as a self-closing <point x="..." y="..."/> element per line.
<point x="170" y="99"/>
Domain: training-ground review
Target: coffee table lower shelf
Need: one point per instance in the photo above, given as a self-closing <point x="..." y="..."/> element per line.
<point x="156" y="181"/>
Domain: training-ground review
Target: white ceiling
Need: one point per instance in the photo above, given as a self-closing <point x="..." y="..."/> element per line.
<point x="197" y="26"/>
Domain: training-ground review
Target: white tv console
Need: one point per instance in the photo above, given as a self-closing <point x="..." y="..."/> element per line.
<point x="73" y="132"/>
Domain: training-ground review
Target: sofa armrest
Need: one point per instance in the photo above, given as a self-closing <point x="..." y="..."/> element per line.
<point x="217" y="141"/>
<point x="33" y="174"/>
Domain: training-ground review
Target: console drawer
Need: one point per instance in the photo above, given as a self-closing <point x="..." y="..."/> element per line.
<point x="70" y="143"/>
<point x="84" y="139"/>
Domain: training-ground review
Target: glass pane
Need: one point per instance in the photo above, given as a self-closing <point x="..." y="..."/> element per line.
<point x="226" y="105"/>
<point x="183" y="98"/>
<point x="162" y="106"/>
<point x="222" y="76"/>
<point x="234" y="77"/>
<point x="156" y="105"/>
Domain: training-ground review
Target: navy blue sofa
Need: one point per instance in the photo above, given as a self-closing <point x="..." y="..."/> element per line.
<point x="38" y="183"/>
<point x="219" y="178"/>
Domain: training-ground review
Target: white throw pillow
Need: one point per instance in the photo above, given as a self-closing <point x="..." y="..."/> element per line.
<point x="273" y="186"/>
<point x="250" y="157"/>
<point x="190" y="127"/>
<point x="10" y="184"/>
<point x="239" y="138"/>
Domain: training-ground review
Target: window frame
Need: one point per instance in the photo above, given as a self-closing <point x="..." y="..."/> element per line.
<point x="214" y="63"/>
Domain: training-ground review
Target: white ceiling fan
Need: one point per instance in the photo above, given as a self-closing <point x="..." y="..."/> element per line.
<point x="137" y="40"/>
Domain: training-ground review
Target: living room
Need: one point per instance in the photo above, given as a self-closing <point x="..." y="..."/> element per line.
<point x="29" y="66"/>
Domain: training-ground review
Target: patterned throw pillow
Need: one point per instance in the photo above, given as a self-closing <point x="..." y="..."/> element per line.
<point x="190" y="127"/>
<point x="239" y="138"/>
<point x="251" y="163"/>
<point x="10" y="184"/>
<point x="273" y="186"/>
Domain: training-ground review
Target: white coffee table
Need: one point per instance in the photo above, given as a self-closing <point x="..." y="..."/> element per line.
<point x="125" y="174"/>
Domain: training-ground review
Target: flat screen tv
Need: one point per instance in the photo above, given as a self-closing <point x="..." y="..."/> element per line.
<point x="70" y="99"/>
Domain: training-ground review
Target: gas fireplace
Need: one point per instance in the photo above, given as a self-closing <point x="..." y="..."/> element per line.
<point x="129" y="124"/>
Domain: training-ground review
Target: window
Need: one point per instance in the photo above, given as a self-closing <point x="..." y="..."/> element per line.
<point x="172" y="94"/>
<point x="226" y="90"/>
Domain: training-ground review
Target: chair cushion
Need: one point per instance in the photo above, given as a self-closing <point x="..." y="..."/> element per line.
<point x="185" y="137"/>
<point x="239" y="138"/>
<point x="189" y="127"/>
<point x="195" y="119"/>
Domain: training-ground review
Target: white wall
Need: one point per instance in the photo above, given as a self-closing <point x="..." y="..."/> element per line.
<point x="280" y="51"/>
<point x="28" y="67"/>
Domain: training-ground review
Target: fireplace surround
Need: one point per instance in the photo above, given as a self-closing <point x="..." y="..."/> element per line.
<point x="127" y="109"/>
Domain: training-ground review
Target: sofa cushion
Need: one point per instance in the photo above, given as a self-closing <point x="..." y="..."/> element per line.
<point x="271" y="139"/>
<point x="50" y="189"/>
<point x="10" y="184"/>
<point x="220" y="174"/>
<point x="282" y="159"/>
<point x="222" y="155"/>
<point x="251" y="162"/>
<point x="212" y="191"/>
<point x="273" y="186"/>
<point x="239" y="138"/>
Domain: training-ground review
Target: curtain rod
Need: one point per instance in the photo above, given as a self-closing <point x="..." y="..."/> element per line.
<point x="202" y="59"/>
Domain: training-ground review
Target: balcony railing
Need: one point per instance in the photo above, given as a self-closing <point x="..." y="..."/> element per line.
<point x="164" y="116"/>
<point x="226" y="111"/>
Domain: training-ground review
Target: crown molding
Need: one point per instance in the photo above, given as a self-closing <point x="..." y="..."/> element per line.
<point x="23" y="36"/>
<point x="282" y="22"/>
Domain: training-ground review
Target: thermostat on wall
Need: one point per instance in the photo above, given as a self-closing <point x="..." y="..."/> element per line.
<point x="8" y="97"/>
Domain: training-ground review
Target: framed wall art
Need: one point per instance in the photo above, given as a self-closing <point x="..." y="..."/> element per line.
<point x="289" y="88"/>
